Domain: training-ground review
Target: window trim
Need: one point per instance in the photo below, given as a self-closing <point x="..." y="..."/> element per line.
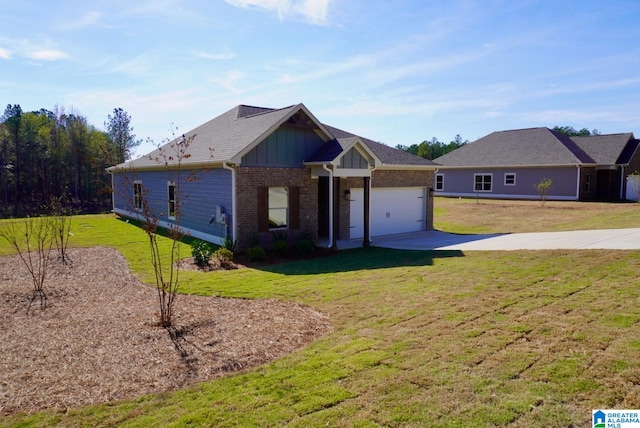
<point x="507" y="174"/>
<point x="287" y="208"/>
<point x="483" y="175"/>
<point x="137" y="195"/>
<point x="439" y="185"/>
<point x="171" y="203"/>
<point x="587" y="183"/>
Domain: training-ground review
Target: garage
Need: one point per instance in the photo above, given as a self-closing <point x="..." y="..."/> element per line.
<point x="393" y="210"/>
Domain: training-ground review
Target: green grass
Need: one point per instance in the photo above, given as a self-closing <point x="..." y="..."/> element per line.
<point x="419" y="339"/>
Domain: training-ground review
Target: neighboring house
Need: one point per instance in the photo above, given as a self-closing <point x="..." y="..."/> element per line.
<point x="509" y="164"/>
<point x="262" y="170"/>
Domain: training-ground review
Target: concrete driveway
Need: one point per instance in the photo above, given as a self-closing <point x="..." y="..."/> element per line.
<point x="609" y="239"/>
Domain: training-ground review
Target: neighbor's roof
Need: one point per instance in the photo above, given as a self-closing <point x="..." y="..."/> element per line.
<point x="229" y="136"/>
<point x="610" y="149"/>
<point x="520" y="147"/>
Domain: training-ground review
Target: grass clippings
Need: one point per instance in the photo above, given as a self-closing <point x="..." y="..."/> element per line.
<point x="98" y="339"/>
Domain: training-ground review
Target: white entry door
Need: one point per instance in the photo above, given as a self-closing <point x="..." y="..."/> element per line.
<point x="393" y="210"/>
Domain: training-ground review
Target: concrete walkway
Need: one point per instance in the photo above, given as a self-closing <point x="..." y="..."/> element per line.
<point x="610" y="239"/>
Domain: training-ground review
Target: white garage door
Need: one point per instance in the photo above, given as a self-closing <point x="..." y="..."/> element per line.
<point x="393" y="210"/>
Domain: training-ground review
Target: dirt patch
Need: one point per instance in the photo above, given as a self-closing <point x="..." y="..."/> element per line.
<point x="97" y="340"/>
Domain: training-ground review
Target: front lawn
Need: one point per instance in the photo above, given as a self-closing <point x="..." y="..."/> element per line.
<point x="527" y="338"/>
<point x="459" y="215"/>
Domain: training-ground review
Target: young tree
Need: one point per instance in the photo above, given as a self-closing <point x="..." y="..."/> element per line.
<point x="543" y="188"/>
<point x="169" y="158"/>
<point x="121" y="133"/>
<point x="32" y="238"/>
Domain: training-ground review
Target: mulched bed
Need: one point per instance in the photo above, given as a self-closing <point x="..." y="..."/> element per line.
<point x="98" y="341"/>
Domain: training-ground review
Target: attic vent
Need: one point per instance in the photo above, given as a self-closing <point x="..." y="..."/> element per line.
<point x="182" y="139"/>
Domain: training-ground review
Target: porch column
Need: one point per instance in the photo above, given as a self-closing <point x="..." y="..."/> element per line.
<point x="367" y="190"/>
<point x="336" y="212"/>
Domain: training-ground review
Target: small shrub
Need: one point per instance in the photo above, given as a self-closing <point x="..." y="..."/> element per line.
<point x="281" y="247"/>
<point x="305" y="246"/>
<point x="256" y="253"/>
<point x="224" y="257"/>
<point x="543" y="188"/>
<point x="230" y="244"/>
<point x="254" y="241"/>
<point x="201" y="252"/>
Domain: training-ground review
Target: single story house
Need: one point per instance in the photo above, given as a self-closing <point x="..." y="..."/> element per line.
<point x="509" y="164"/>
<point x="253" y="171"/>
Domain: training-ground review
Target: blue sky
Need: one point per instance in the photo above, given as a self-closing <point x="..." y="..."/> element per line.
<point x="399" y="71"/>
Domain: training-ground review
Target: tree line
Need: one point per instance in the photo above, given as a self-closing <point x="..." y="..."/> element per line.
<point x="52" y="155"/>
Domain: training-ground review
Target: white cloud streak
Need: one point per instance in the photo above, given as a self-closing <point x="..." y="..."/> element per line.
<point x="313" y="11"/>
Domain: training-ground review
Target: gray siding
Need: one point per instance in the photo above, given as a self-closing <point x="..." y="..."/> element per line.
<point x="353" y="160"/>
<point x="202" y="191"/>
<point x="286" y="147"/>
<point x="461" y="182"/>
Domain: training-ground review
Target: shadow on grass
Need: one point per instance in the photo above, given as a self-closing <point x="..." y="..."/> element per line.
<point x="360" y="259"/>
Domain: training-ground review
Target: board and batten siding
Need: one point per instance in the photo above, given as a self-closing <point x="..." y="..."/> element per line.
<point x="461" y="182"/>
<point x="200" y="197"/>
<point x="285" y="148"/>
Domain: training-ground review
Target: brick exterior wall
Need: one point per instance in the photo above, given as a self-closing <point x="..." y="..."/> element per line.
<point x="248" y="179"/>
<point x="387" y="178"/>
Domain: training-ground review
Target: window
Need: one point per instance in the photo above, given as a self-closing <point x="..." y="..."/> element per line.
<point x="278" y="207"/>
<point x="587" y="183"/>
<point x="510" y="179"/>
<point x="439" y="182"/>
<point x="482" y="182"/>
<point x="172" y="199"/>
<point x="137" y="195"/>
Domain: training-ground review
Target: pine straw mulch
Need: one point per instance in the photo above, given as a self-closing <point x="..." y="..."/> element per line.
<point x="97" y="340"/>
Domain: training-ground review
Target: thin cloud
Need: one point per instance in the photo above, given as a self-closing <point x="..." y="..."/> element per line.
<point x="47" y="55"/>
<point x="313" y="11"/>
<point x="215" y="57"/>
<point x="5" y="53"/>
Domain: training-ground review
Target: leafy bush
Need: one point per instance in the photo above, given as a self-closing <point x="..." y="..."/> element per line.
<point x="281" y="247"/>
<point x="201" y="252"/>
<point x="256" y="253"/>
<point x="224" y="256"/>
<point x="305" y="246"/>
<point x="230" y="244"/>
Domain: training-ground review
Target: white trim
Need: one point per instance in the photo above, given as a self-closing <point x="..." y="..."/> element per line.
<point x="486" y="195"/>
<point x="483" y="174"/>
<point x="505" y="178"/>
<point x="166" y="225"/>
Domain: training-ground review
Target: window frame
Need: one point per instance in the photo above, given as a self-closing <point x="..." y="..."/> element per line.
<point x="286" y="208"/>
<point x="509" y="174"/>
<point x="137" y="195"/>
<point x="439" y="185"/>
<point x="587" y="183"/>
<point x="171" y="203"/>
<point x="482" y="182"/>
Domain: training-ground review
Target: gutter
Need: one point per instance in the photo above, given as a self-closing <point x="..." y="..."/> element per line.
<point x="330" y="171"/>
<point x="234" y="229"/>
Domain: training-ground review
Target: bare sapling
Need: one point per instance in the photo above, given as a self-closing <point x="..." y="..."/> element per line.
<point x="163" y="260"/>
<point x="32" y="238"/>
<point x="61" y="227"/>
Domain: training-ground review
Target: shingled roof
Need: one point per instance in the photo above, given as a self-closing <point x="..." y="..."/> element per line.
<point x="227" y="137"/>
<point x="520" y="147"/>
<point x="610" y="149"/>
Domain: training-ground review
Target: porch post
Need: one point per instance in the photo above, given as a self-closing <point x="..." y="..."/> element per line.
<point x="366" y="183"/>
<point x="336" y="211"/>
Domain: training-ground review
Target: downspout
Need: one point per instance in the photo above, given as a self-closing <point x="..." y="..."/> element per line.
<point x="234" y="229"/>
<point x="330" y="171"/>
